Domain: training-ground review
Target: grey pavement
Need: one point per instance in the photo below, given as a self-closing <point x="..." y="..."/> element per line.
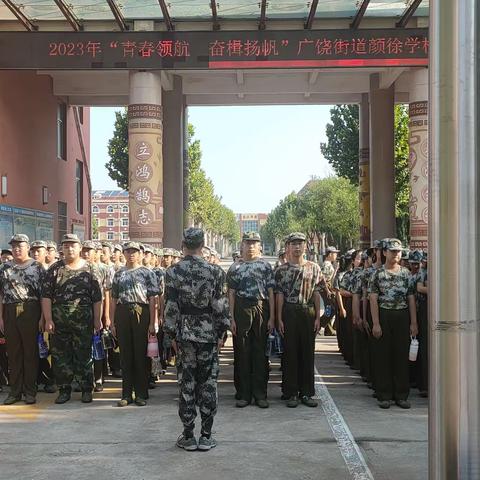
<point x="101" y="441"/>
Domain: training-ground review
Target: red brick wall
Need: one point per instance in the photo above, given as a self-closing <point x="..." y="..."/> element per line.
<point x="28" y="148"/>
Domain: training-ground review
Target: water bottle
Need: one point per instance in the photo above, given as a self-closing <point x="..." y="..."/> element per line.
<point x="278" y="343"/>
<point x="152" y="347"/>
<point x="107" y="339"/>
<point x="269" y="346"/>
<point x="97" y="347"/>
<point x="412" y="354"/>
<point x="42" y="346"/>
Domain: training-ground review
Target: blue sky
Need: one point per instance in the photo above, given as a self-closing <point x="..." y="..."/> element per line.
<point x="255" y="156"/>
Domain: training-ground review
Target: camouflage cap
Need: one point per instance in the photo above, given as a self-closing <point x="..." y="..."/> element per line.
<point x="236" y="254"/>
<point x="98" y="245"/>
<point x="168" y="252"/>
<point x="131" y="246"/>
<point x="117" y="247"/>
<point x="296" y="236"/>
<point x="39" y="244"/>
<point x="394" y="244"/>
<point x="71" y="238"/>
<point x="147" y="248"/>
<point x="52" y="244"/>
<point x="89" y="245"/>
<point x="160" y="252"/>
<point x="377" y="244"/>
<point x="281" y="252"/>
<point x="251" y="237"/>
<point x="416" y="256"/>
<point x="193" y="235"/>
<point x="107" y="244"/>
<point x="332" y="250"/>
<point x="177" y="254"/>
<point x="6" y="250"/>
<point x="19" y="237"/>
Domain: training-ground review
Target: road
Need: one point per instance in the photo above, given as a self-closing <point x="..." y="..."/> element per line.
<point x="346" y="437"/>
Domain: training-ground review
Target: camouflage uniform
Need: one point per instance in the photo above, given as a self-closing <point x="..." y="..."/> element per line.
<point x="73" y="293"/>
<point x="422" y="301"/>
<point x="251" y="281"/>
<point x="20" y="288"/>
<point x="298" y="283"/>
<point x="132" y="290"/>
<point x="346" y="324"/>
<point x="391" y="349"/>
<point x="197" y="316"/>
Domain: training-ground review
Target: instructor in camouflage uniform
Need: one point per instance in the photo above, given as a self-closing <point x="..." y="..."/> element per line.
<point x="20" y="290"/>
<point x="252" y="308"/>
<point x="197" y="316"/>
<point x="71" y="304"/>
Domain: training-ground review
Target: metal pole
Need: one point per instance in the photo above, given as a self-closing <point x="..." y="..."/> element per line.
<point x="454" y="425"/>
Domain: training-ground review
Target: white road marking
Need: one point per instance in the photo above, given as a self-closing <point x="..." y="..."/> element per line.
<point x="356" y="464"/>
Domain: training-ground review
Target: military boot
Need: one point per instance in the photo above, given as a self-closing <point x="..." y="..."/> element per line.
<point x="63" y="395"/>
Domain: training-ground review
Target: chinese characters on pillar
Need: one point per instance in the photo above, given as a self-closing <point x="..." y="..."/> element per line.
<point x="418" y="163"/>
<point x="145" y="173"/>
<point x="364" y="197"/>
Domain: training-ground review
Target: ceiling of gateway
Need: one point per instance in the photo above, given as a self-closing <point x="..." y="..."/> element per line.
<point x="36" y="12"/>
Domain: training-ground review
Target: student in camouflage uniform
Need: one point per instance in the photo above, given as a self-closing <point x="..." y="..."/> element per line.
<point x="252" y="310"/>
<point x="422" y="300"/>
<point x="71" y="304"/>
<point x="133" y="307"/>
<point x="51" y="255"/>
<point x="329" y="269"/>
<point x="6" y="255"/>
<point x="394" y="317"/>
<point x="346" y="320"/>
<point x="298" y="284"/>
<point x="20" y="318"/>
<point x="38" y="251"/>
<point x="197" y="316"/>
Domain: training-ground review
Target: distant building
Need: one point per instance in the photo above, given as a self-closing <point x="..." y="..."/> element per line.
<point x="251" y="222"/>
<point x="110" y="215"/>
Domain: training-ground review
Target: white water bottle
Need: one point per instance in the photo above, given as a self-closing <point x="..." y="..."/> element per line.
<point x="412" y="354"/>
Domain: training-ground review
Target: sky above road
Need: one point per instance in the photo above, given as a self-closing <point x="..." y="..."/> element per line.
<point x="255" y="156"/>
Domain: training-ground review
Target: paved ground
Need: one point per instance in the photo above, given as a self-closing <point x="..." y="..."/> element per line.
<point x="100" y="441"/>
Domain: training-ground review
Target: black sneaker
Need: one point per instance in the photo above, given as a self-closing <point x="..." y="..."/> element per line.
<point x="63" y="397"/>
<point x="87" y="397"/>
<point x="241" y="403"/>
<point x="10" y="400"/>
<point x="405" y="404"/>
<point x="262" y="403"/>
<point x="292" y="402"/>
<point x="140" y="402"/>
<point x="384" y="404"/>
<point x="309" y="401"/>
<point x="30" y="399"/>
<point x="124" y="402"/>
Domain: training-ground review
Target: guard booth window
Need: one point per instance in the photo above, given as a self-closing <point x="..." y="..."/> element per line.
<point x="62" y="220"/>
<point x="79" y="186"/>
<point x="62" y="131"/>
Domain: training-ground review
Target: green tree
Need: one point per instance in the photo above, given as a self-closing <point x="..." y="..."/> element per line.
<point x="205" y="208"/>
<point x="341" y="151"/>
<point x="117" y="166"/>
